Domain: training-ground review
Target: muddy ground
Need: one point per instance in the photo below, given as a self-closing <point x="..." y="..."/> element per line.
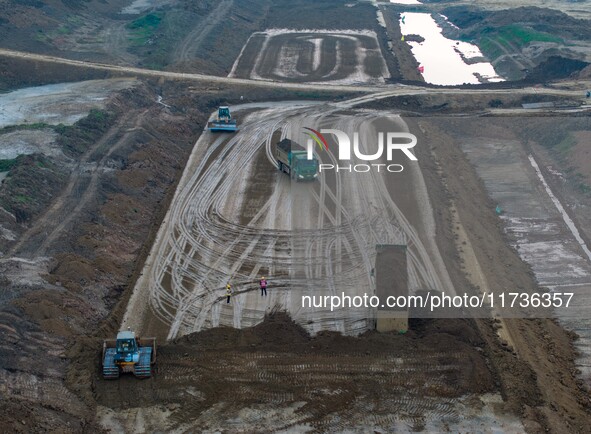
<point x="184" y="35"/>
<point x="210" y="378"/>
<point x="69" y="290"/>
<point x="530" y="362"/>
<point x="535" y="360"/>
<point x="75" y="264"/>
<point x="74" y="299"/>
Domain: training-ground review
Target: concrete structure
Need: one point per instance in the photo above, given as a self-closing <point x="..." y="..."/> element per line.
<point x="391" y="281"/>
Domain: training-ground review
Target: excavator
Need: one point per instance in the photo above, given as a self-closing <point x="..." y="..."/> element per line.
<point x="128" y="354"/>
<point x="223" y="121"/>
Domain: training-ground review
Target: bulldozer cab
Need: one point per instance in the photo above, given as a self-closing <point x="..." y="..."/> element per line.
<point x="126" y="346"/>
<point x="224" y="113"/>
<point x="126" y="342"/>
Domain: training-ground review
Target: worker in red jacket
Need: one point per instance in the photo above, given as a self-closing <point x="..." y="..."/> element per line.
<point x="263" y="286"/>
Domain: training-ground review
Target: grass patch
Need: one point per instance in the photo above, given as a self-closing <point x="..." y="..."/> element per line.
<point x="489" y="48"/>
<point x="6" y="165"/>
<point x="510" y="38"/>
<point x="566" y="144"/>
<point x="22" y="198"/>
<point x="42" y="37"/>
<point x="64" y="30"/>
<point x="75" y="20"/>
<point x="143" y="28"/>
<point x="521" y="35"/>
<point x="33" y="126"/>
<point x="585" y="189"/>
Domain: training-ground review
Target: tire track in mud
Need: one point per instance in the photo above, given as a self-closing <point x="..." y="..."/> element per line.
<point x="81" y="188"/>
<point x="330" y="56"/>
<point x="317" y="238"/>
<point x="338" y="391"/>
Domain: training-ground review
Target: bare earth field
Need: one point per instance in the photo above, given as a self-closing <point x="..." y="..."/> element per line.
<point x="275" y="377"/>
<point x="118" y="209"/>
<point x="314" y="238"/>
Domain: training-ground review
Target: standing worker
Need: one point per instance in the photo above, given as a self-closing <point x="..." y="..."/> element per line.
<point x="263" y="286"/>
<point x="228" y="292"/>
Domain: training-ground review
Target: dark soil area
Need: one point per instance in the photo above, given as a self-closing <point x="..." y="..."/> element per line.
<point x="32" y="183"/>
<point x="329" y="372"/>
<point x="16" y="73"/>
<point x="435" y="105"/>
<point x="555" y="68"/>
<point x="474" y="21"/>
<point x="185" y="35"/>
<point x="221" y="46"/>
<point x="328" y="14"/>
<point x="92" y="259"/>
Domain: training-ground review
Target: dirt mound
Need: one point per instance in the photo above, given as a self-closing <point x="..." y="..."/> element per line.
<point x="72" y="271"/>
<point x="276" y="332"/>
<point x="277" y="365"/>
<point x="556" y="67"/>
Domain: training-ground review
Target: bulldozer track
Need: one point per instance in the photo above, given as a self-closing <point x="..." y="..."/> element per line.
<point x="410" y="387"/>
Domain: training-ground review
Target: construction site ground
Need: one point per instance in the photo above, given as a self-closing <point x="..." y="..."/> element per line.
<point x="504" y="379"/>
<point x="83" y="204"/>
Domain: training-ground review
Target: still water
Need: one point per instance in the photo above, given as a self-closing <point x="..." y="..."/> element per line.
<point x="441" y="57"/>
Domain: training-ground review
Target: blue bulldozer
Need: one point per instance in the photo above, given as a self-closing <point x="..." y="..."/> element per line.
<point x="128" y="354"/>
<point x="223" y="121"/>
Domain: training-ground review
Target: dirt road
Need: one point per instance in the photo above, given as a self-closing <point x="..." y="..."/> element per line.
<point x="383" y="90"/>
<point x="194" y="39"/>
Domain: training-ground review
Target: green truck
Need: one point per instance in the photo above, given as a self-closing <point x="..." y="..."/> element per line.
<point x="293" y="160"/>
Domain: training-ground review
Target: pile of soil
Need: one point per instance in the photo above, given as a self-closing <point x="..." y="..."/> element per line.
<point x="276" y="363"/>
<point x="32" y="183"/>
<point x="555" y="68"/>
